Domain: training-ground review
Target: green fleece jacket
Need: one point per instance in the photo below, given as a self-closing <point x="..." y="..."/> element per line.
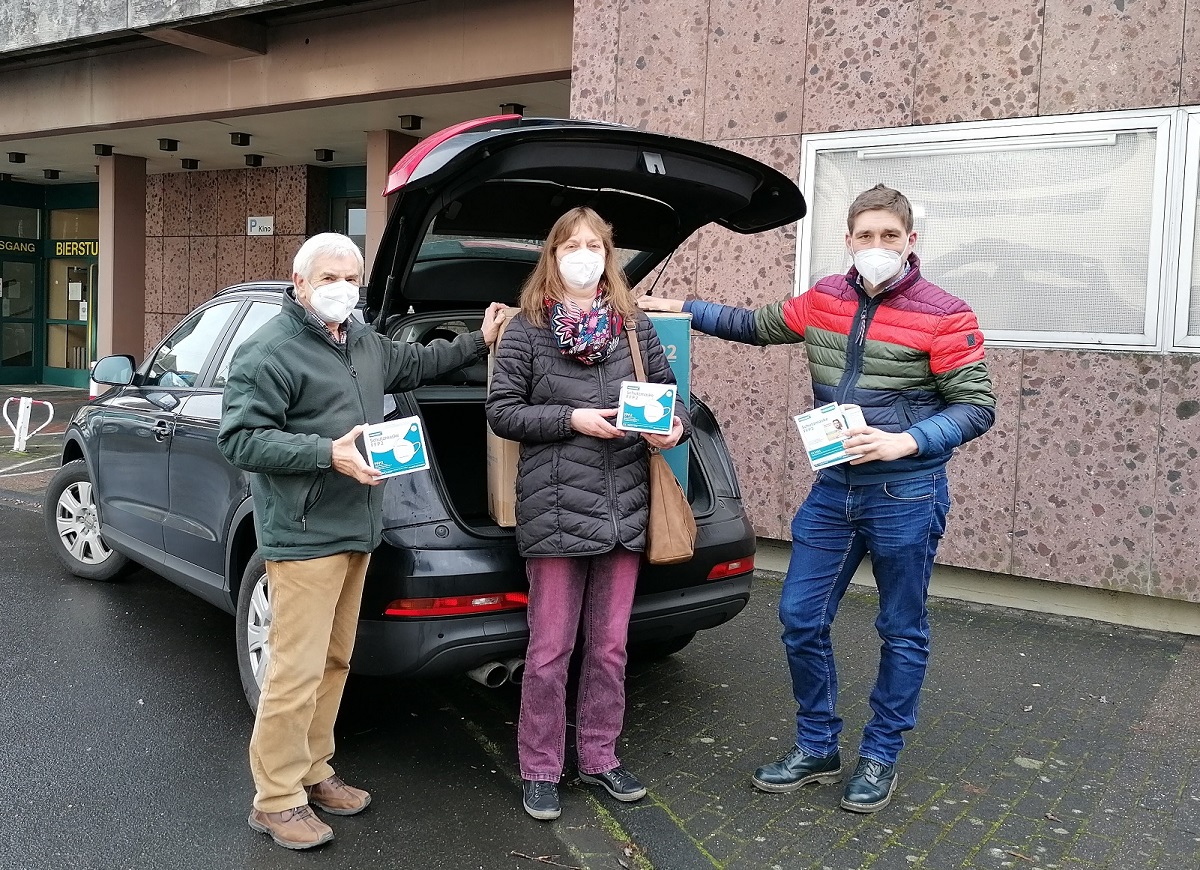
<point x="292" y="391"/>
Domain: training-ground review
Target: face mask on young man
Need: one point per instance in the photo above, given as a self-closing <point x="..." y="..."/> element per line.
<point x="333" y="302"/>
<point x="581" y="269"/>
<point x="879" y="265"/>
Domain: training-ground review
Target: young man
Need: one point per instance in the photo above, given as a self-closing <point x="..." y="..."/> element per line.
<point x="911" y="356"/>
<point x="300" y="391"/>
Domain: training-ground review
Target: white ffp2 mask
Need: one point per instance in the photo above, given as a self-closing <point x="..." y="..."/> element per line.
<point x="877" y="265"/>
<point x="581" y="268"/>
<point x="334" y="302"/>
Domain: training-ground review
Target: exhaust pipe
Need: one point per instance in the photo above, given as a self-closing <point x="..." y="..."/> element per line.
<point x="493" y="675"/>
<point x="516" y="670"/>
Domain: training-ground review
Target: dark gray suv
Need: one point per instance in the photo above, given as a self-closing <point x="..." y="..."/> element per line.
<point x="142" y="479"/>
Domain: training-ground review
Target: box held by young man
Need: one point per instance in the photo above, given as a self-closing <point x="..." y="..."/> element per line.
<point x="823" y="429"/>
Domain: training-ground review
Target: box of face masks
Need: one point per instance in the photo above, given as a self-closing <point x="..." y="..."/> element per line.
<point x="396" y="446"/>
<point x="646" y="407"/>
<point x="675" y="333"/>
<point x="822" y="431"/>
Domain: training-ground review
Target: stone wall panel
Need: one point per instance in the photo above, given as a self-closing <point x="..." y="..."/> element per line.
<point x="1099" y="56"/>
<point x="978" y="59"/>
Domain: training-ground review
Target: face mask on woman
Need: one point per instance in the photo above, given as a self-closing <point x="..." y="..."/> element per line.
<point x="334" y="302"/>
<point x="581" y="269"/>
<point x="877" y="265"/>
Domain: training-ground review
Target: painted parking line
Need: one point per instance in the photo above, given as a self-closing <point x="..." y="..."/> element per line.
<point x="27" y="473"/>
<point x="11" y="471"/>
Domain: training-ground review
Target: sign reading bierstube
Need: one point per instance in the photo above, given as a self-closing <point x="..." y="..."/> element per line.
<point x="77" y="249"/>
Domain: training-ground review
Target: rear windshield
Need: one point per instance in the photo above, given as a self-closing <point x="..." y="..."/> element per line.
<point x="468" y="270"/>
<point x="437" y="246"/>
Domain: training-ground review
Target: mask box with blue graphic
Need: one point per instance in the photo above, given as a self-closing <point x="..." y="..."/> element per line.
<point x="646" y="407"/>
<point x="822" y="431"/>
<point x="397" y="446"/>
<point x="675" y="333"/>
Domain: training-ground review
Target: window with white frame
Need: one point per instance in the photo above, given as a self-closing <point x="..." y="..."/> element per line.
<point x="1052" y="229"/>
<point x="1187" y="317"/>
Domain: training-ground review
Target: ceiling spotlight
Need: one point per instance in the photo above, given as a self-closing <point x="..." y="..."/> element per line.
<point x="239" y="138"/>
<point x="16" y="156"/>
<point x="103" y="150"/>
<point x="512" y="109"/>
<point x="324" y="155"/>
<point x="168" y="144"/>
<point x="410" y="122"/>
<point x="50" y="173"/>
<point x="190" y="163"/>
<point x="254" y="159"/>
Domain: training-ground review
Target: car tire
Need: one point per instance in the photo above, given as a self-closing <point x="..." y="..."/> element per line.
<point x="253" y="625"/>
<point x="73" y="525"/>
<point x="656" y="650"/>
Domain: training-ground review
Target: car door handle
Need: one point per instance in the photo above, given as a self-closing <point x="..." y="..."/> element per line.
<point x="162" y="430"/>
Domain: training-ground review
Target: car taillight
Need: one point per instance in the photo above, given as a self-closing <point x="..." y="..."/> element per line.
<point x="457" y="605"/>
<point x="732" y="569"/>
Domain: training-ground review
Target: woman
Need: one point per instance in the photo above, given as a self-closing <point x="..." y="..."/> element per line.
<point x="582" y="497"/>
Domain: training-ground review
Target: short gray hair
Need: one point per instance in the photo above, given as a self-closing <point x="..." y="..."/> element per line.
<point x="325" y="245"/>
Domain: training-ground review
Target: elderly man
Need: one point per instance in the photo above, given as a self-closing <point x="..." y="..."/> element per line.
<point x="300" y="391"/>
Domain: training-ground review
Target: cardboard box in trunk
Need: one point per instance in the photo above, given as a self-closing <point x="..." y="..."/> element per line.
<point x="502" y="456"/>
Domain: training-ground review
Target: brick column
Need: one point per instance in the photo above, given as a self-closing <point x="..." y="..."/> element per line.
<point x="121" y="290"/>
<point x="384" y="148"/>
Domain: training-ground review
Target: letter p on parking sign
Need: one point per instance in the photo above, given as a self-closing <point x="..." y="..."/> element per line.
<point x="260" y="226"/>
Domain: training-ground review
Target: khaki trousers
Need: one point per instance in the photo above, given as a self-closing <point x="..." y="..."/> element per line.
<point x="314" y="616"/>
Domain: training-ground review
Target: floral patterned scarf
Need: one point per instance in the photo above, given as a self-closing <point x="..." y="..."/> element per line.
<point x="590" y="335"/>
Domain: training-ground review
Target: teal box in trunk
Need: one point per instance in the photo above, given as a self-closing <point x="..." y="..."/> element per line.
<point x="675" y="333"/>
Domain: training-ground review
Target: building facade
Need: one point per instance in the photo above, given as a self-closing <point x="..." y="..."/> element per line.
<point x="1050" y="148"/>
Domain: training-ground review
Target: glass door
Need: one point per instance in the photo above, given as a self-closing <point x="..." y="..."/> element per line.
<point x="18" y="321"/>
<point x="68" y="342"/>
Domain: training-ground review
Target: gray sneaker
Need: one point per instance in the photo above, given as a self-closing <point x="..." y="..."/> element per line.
<point x="541" y="799"/>
<point x="618" y="782"/>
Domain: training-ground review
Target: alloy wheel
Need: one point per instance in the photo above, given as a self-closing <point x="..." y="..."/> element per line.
<point x="79" y="526"/>
<point x="258" y="624"/>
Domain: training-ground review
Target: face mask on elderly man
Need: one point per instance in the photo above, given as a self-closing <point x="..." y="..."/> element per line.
<point x="333" y="302"/>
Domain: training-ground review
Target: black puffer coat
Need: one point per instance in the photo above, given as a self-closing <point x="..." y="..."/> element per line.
<point x="577" y="495"/>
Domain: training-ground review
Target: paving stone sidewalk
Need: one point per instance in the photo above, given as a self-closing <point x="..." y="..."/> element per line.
<point x="1042" y="743"/>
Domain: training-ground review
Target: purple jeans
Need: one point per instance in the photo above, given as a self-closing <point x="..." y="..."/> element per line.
<point x="563" y="592"/>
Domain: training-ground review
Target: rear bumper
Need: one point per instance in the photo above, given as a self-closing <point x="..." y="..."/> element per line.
<point x="452" y="645"/>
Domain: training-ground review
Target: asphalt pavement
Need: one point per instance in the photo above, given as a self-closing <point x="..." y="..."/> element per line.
<point x="125" y="734"/>
<point x="1043" y="742"/>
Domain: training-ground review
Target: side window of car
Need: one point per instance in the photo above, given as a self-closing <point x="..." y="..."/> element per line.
<point x="259" y="313"/>
<point x="178" y="362"/>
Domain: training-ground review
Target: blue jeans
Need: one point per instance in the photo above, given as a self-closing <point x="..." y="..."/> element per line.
<point x="900" y="524"/>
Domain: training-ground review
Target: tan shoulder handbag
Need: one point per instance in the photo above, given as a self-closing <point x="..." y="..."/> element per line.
<point x="671" y="530"/>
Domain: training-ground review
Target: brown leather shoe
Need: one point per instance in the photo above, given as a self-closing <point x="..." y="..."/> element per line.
<point x="297" y="828"/>
<point x="334" y="796"/>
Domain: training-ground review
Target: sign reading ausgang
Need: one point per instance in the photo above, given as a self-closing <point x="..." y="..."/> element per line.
<point x="18" y="247"/>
